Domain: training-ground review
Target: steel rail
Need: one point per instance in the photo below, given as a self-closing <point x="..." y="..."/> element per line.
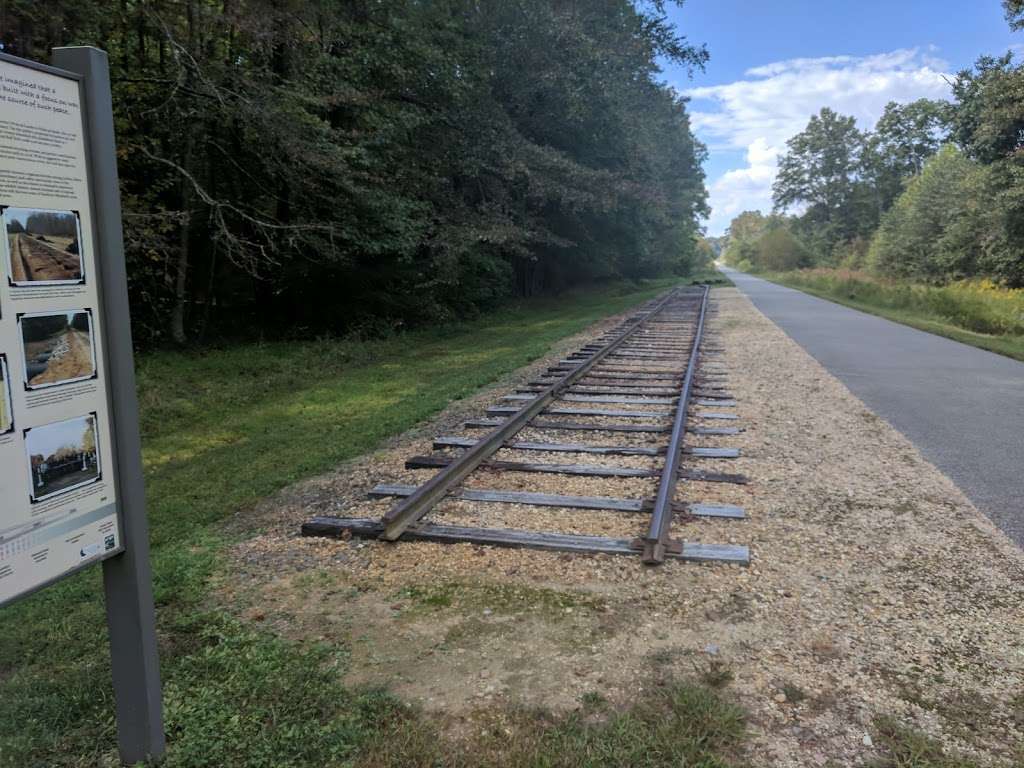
<point x="655" y="544"/>
<point x="413" y="508"/>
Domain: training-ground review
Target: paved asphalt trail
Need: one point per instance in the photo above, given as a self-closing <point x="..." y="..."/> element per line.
<point x="962" y="407"/>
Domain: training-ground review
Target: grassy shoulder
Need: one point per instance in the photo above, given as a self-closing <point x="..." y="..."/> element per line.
<point x="221" y="430"/>
<point x="979" y="314"/>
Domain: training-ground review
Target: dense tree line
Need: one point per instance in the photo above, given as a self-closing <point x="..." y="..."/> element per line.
<point x="46" y="223"/>
<point x="336" y="164"/>
<point x="934" y="193"/>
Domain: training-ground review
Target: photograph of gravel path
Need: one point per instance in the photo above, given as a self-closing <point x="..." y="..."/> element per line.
<point x="43" y="246"/>
<point x="58" y="348"/>
<point x="880" y="615"/>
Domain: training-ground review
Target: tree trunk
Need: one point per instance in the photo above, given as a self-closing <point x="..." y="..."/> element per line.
<point x="181" y="275"/>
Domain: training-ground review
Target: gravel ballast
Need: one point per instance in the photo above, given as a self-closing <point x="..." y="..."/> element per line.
<point x="875" y="588"/>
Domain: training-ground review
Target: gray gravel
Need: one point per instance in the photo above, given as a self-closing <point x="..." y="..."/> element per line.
<point x="962" y="407"/>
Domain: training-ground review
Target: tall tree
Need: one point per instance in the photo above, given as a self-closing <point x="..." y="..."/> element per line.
<point x="934" y="230"/>
<point x="904" y="138"/>
<point x="820" y="171"/>
<point x="988" y="123"/>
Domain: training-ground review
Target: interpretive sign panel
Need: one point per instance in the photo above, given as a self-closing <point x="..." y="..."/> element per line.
<point x="57" y="468"/>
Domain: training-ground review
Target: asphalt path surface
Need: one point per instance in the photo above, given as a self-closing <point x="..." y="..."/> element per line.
<point x="962" y="407"/>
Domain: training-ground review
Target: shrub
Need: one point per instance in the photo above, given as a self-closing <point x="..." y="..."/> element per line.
<point x="778" y="250"/>
<point x="981" y="306"/>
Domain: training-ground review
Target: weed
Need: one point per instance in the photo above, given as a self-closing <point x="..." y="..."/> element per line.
<point x="471" y="629"/>
<point x="500" y="598"/>
<point x="903" y="747"/>
<point x="715" y="674"/>
<point x="439" y="596"/>
<point x="663" y="657"/>
<point x="678" y="724"/>
<point x="593" y="701"/>
<point x="794" y="693"/>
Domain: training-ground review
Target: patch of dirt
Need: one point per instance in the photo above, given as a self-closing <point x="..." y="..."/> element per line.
<point x="33" y="258"/>
<point x="875" y="587"/>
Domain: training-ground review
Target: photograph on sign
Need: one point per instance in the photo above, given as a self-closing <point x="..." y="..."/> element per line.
<point x="6" y="411"/>
<point x="58" y="347"/>
<point x="62" y="456"/>
<point x="44" y="246"/>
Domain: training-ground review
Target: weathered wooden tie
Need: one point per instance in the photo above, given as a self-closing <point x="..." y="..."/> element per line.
<point x="372" y="528"/>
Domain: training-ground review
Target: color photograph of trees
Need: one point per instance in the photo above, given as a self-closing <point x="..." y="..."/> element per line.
<point x="62" y="456"/>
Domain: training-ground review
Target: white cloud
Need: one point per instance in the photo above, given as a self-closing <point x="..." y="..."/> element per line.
<point x="742" y="189"/>
<point x="774" y="101"/>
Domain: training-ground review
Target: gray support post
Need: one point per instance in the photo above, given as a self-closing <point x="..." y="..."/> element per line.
<point x="127" y="578"/>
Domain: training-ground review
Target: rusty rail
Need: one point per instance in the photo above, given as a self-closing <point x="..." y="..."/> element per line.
<point x="656" y="543"/>
<point x="413" y="508"/>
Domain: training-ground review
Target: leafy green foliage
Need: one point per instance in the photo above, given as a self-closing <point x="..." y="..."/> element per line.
<point x="905" y="136"/>
<point x="989" y="124"/>
<point x="932" y="232"/>
<point x="757" y="242"/>
<point x="295" y="168"/>
<point x="820" y="170"/>
<point x="1014" y="13"/>
<point x="744" y="231"/>
<point x="779" y="249"/>
<point x="900" y="200"/>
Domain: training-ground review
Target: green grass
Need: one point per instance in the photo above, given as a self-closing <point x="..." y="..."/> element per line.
<point x="978" y="314"/>
<point x="507" y="599"/>
<point x="905" y="747"/>
<point x="221" y="430"/>
<point x="675" y="724"/>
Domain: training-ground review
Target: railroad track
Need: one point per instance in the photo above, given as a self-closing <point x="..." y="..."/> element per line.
<point x="36" y="260"/>
<point x="644" y="383"/>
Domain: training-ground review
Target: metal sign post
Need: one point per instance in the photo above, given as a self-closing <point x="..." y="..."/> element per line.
<point x="127" y="578"/>
<point x="71" y="480"/>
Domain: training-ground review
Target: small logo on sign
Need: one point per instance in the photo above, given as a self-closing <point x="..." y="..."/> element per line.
<point x="108" y="543"/>
<point x="90" y="551"/>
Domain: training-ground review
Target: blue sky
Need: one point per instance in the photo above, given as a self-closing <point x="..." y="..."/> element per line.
<point x="773" y="64"/>
<point x="46" y="440"/>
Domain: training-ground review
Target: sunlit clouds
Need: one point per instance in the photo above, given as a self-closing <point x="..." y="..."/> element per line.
<point x="774" y="101"/>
